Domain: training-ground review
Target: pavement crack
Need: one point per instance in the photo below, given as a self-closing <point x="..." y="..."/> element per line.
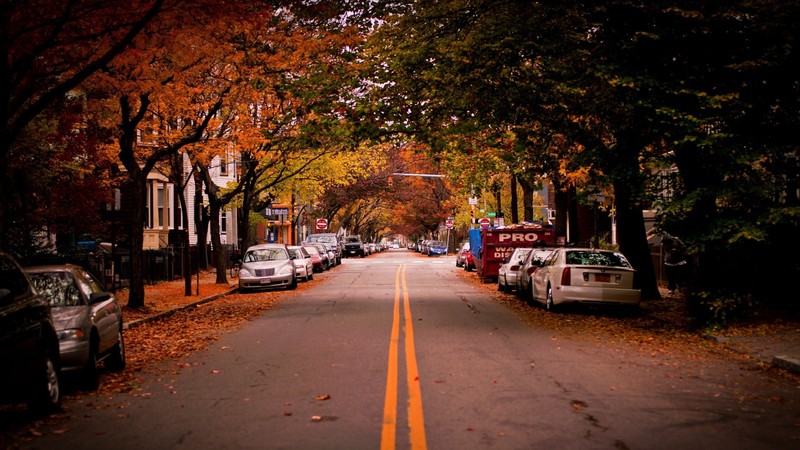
<point x="470" y="305"/>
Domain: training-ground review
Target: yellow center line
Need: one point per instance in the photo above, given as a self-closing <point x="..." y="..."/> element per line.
<point x="416" y="421"/>
<point x="388" y="431"/>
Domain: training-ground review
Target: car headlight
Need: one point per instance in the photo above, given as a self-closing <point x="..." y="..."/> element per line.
<point x="244" y="273"/>
<point x="71" y="334"/>
<point x="287" y="270"/>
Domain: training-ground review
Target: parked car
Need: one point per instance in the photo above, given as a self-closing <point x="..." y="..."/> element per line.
<point x="326" y="257"/>
<point x="316" y="257"/>
<point x="507" y="273"/>
<point x="329" y="238"/>
<point x="436" y="248"/>
<point x="302" y="262"/>
<point x="354" y="247"/>
<point x="529" y="265"/>
<point x="461" y="255"/>
<point x="88" y="320"/>
<point x="469" y="261"/>
<point x="332" y="260"/>
<point x="267" y="266"/>
<point x="585" y="275"/>
<point x="28" y="342"/>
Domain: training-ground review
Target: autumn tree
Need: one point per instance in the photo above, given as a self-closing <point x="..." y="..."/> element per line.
<point x="49" y="49"/>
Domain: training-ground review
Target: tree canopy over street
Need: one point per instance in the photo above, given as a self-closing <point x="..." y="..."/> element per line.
<point x="684" y="108"/>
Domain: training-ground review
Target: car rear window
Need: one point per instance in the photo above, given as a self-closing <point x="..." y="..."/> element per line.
<point x="591" y="258"/>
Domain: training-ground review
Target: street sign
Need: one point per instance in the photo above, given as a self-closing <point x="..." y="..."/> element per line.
<point x="473" y="200"/>
<point x="322" y="224"/>
<point x="485" y="222"/>
<point x="491" y="214"/>
<point x="449" y="224"/>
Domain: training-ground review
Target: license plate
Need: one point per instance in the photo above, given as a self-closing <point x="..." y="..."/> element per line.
<point x="602" y="277"/>
<point x="265" y="281"/>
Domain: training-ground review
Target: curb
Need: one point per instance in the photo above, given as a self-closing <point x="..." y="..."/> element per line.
<point x="136" y="323"/>
<point x="785" y="362"/>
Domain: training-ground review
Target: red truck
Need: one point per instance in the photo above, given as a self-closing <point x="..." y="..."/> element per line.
<point x="491" y="247"/>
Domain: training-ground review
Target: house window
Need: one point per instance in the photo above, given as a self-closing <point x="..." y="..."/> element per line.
<point x="160" y="206"/>
<point x="148" y="217"/>
<point x="223" y="166"/>
<point x="224" y="222"/>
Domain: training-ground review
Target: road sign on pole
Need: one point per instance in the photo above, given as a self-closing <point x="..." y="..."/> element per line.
<point x="485" y="222"/>
<point x="449" y="224"/>
<point x="322" y="224"/>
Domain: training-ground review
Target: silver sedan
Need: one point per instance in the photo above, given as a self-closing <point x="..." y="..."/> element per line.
<point x="88" y="319"/>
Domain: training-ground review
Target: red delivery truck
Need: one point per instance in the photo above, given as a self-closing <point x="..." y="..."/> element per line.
<point x="497" y="244"/>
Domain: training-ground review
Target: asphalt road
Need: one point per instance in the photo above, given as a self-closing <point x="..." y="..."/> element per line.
<point x="397" y="351"/>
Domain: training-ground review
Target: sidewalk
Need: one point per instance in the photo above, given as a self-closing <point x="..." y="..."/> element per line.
<point x="779" y="350"/>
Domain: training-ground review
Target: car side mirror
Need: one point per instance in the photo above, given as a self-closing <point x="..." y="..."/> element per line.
<point x="98" y="297"/>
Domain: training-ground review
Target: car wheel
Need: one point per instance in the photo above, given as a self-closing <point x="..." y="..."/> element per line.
<point x="549" y="303"/>
<point x="116" y="361"/>
<point x="46" y="397"/>
<point x="91" y="373"/>
<point x="293" y="284"/>
<point x="310" y="276"/>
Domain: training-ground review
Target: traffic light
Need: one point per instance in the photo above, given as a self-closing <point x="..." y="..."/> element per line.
<point x="391" y="182"/>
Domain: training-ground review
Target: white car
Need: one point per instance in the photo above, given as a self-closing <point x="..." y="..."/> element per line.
<point x="507" y="273"/>
<point x="266" y="266"/>
<point x="302" y="262"/>
<point x="585" y="275"/>
<point x="526" y="269"/>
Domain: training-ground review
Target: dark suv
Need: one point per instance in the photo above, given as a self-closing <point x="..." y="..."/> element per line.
<point x="29" y="349"/>
<point x="354" y="247"/>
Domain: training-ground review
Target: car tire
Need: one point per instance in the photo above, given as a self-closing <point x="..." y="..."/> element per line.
<point x="310" y="275"/>
<point x="117" y="360"/>
<point x="46" y="395"/>
<point x="91" y="372"/>
<point x="500" y="286"/>
<point x="549" y="303"/>
<point x="293" y="285"/>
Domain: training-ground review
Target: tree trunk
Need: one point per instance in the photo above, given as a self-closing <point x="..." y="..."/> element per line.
<point x="220" y="254"/>
<point x="136" y="288"/>
<point x="632" y="238"/>
<point x="514" y="206"/>
<point x="200" y="222"/>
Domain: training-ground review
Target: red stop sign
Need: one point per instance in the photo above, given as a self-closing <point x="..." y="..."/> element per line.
<point x="322" y="224"/>
<point x="485" y="222"/>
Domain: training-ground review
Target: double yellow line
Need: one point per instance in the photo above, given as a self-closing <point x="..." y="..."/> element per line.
<point x="416" y="421"/>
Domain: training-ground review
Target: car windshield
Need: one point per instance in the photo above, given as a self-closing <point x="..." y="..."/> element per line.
<point x="592" y="258"/>
<point x="436" y="244"/>
<point x="297" y="253"/>
<point x="58" y="287"/>
<point x="266" y="254"/>
<point x="312" y="250"/>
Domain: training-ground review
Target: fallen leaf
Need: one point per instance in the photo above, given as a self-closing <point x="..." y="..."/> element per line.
<point x="316" y="418"/>
<point x="323" y="397"/>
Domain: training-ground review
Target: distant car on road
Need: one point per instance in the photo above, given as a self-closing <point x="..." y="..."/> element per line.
<point x="88" y="320"/>
<point x="29" y="351"/>
<point x="436" y="248"/>
<point x="267" y="266"/>
<point x="585" y="275"/>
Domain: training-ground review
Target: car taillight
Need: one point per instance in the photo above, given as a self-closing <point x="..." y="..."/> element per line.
<point x="514" y="268"/>
<point x="566" y="277"/>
